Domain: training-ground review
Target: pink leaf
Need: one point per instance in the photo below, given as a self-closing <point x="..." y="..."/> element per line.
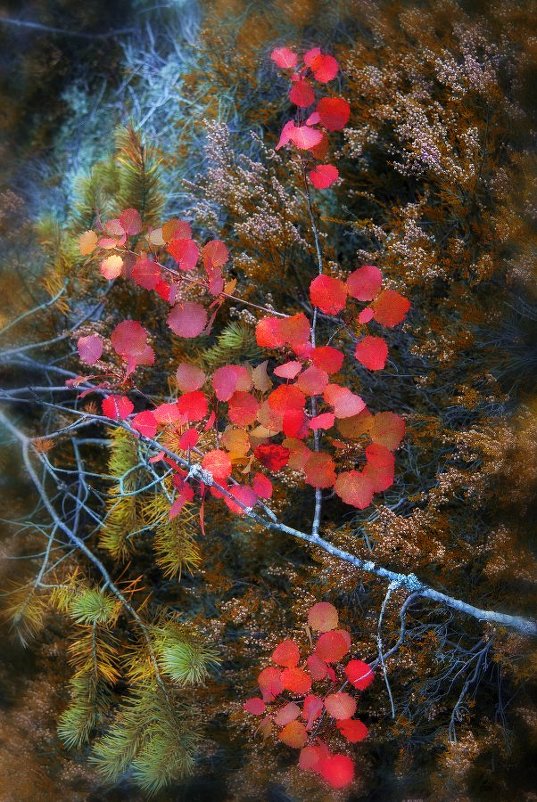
<point x="301" y="93"/>
<point x="189" y="377"/>
<point x="364" y="283"/>
<point x="146" y="273"/>
<point x="345" y="403"/>
<point x="90" y="348"/>
<point x="185" y="252"/>
<point x="129" y="340"/>
<point x="305" y="137"/>
<point x="334" y="113"/>
<point x="284" y="57"/>
<point x="329" y="294"/>
<point x="145" y="423"/>
<point x="262" y="485"/>
<point x="255" y="706"/>
<point x="187" y="319"/>
<point x="286" y="133"/>
<point x="131" y="221"/>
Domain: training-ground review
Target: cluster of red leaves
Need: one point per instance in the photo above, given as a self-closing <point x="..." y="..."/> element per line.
<point x="300" y="721"/>
<point x="267" y="422"/>
<point x="308" y="131"/>
<point x="268" y="426"/>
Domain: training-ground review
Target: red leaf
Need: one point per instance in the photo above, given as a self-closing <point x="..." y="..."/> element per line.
<point x="317" y="667"/>
<point x="285" y="397"/>
<point x="262" y="485"/>
<point x="312" y="381"/>
<point x="359" y="674"/>
<point x="323" y="617"/>
<point x="268" y="333"/>
<point x="305" y="137"/>
<point x="333" y="645"/>
<point x="337" y="770"/>
<point x="129" y="340"/>
<point x="345" y="403"/>
<point x="286" y="134"/>
<point x="214" y="254"/>
<point x="90" y="348"/>
<point x="334" y="113"/>
<point x="329" y="294"/>
<point x="296" y="680"/>
<point x="289" y="370"/>
<point x="218" y="463"/>
<point x="301" y="93"/>
<point x="187" y="319"/>
<point x="323" y="176"/>
<point x="145" y="423"/>
<point x="255" y="706"/>
<point x="364" y="283"/>
<point x="295" y="330"/>
<point x="340" y="705"/>
<point x="242" y="408"/>
<point x="310" y="757"/>
<point x="366" y="315"/>
<point x="327" y="358"/>
<point x="241" y="493"/>
<point x="270" y="683"/>
<point x="311" y="709"/>
<point x="390" y="308"/>
<point x="372" y="352"/>
<point x="168" y="413"/>
<point x="380" y="467"/>
<point x="284" y="57"/>
<point x="324" y="67"/>
<point x="189" y="377"/>
<point x="295" y="423"/>
<point x="131" y="221"/>
<point x="323" y="421"/>
<point x="189" y="439"/>
<point x="352" y="729"/>
<point x="146" y="273"/>
<point x="286" y="654"/>
<point x="354" y="488"/>
<point x="193" y="406"/>
<point x="117" y="407"/>
<point x="272" y="456"/>
<point x="185" y="495"/>
<point x="320" y="470"/>
<point x="185" y="252"/>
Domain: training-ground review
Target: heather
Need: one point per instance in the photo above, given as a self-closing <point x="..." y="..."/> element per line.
<point x="187" y="474"/>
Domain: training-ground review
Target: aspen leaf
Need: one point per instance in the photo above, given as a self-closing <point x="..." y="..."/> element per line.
<point x="218" y="463"/>
<point x="270" y="683"/>
<point x="364" y="283"/>
<point x="323" y="617"/>
<point x="193" y="406"/>
<point x="87" y="242"/>
<point x="387" y="429"/>
<point x="380" y="467"/>
<point x="312" y="381"/>
<point x="230" y="378"/>
<point x="311" y="709"/>
<point x="359" y="674"/>
<point x="90" y="348"/>
<point x="214" y="254"/>
<point x="327" y="358"/>
<point x="333" y="645"/>
<point x="366" y="315"/>
<point x="305" y="137"/>
<point x="329" y="294"/>
<point x="324" y="67"/>
<point x="285" y="135"/>
<point x="245" y="495"/>
<point x="285" y="397"/>
<point x="189" y="439"/>
<point x="168" y="413"/>
<point x="260" y="377"/>
<point x="372" y="352"/>
<point x="176" y="229"/>
<point x="287" y="713"/>
<point x="301" y="93"/>
<point x="337" y="770"/>
<point x="289" y="370"/>
<point x="323" y="176"/>
<point x="242" y="408"/>
<point x="146" y="273"/>
<point x="187" y="319"/>
<point x="112" y="267"/>
<point x="340" y="705"/>
<point x="145" y="423"/>
<point x="323" y="421"/>
<point x="352" y="729"/>
<point x="320" y="470"/>
<point x="185" y="252"/>
<point x="284" y="57"/>
<point x="286" y="654"/>
<point x="334" y="113"/>
<point x="255" y="706"/>
<point x="131" y="221"/>
<point x="294" y="735"/>
<point x="390" y="308"/>
<point x="344" y="402"/>
<point x="129" y="340"/>
<point x="354" y="488"/>
<point x="189" y="377"/>
<point x="296" y="680"/>
<point x="117" y="407"/>
<point x="237" y="443"/>
<point x="272" y="456"/>
<point x="262" y="485"/>
<point x="317" y="667"/>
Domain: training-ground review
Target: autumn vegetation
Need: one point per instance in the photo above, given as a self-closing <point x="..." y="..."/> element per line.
<point x="269" y="417"/>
